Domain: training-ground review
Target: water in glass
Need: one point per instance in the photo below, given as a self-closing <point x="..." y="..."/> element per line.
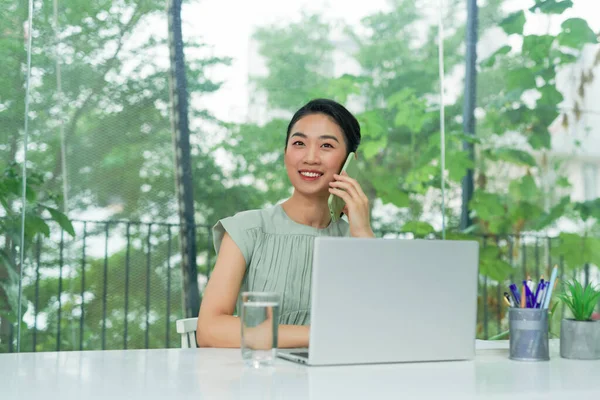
<point x="259" y="317"/>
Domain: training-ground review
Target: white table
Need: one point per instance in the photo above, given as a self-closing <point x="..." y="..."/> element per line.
<point x="219" y="374"/>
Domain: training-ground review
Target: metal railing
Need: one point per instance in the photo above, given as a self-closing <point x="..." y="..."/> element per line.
<point x="117" y="284"/>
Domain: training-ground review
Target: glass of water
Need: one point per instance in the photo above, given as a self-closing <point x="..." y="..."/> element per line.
<point x="259" y="319"/>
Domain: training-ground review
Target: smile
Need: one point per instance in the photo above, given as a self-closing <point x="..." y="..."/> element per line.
<point x="310" y="175"/>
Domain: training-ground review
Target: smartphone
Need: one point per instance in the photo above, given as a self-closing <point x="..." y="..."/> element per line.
<point x="336" y="204"/>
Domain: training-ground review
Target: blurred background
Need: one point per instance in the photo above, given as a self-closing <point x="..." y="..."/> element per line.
<point x="149" y="120"/>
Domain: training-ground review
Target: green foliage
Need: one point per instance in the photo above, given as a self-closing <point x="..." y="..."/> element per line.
<point x="11" y="184"/>
<point x="552" y="6"/>
<point x="588" y="209"/>
<point x="419" y="228"/>
<point x="514" y="23"/>
<point x="401" y="141"/>
<point x="492" y="263"/>
<point x="37" y="215"/>
<point x="489" y="62"/>
<point x="511" y="155"/>
<point x="580" y="301"/>
<point x="576" y="33"/>
<point x="577" y="249"/>
<point x="297" y="54"/>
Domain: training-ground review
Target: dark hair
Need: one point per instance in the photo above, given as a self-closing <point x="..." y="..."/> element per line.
<point x="344" y="118"/>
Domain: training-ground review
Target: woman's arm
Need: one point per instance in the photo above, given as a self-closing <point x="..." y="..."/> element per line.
<point x="217" y="327"/>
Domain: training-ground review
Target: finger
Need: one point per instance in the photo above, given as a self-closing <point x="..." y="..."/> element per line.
<point x="347" y="186"/>
<point x="342" y="194"/>
<point x="345" y="178"/>
<point x="345" y="210"/>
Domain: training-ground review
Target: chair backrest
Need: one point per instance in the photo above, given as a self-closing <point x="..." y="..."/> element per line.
<point x="187" y="329"/>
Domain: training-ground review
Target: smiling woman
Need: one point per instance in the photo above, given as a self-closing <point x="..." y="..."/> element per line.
<point x="271" y="249"/>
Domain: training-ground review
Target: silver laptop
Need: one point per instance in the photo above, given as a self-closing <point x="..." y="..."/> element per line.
<point x="391" y="300"/>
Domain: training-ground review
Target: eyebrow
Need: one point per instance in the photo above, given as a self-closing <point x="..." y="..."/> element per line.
<point x="322" y="137"/>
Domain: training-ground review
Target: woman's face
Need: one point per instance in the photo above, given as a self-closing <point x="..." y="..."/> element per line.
<point x="315" y="151"/>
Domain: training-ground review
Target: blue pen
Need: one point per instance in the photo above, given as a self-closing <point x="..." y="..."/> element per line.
<point x="537" y="292"/>
<point x="539" y="298"/>
<point x="529" y="300"/>
<point x="539" y="288"/>
<point x="516" y="294"/>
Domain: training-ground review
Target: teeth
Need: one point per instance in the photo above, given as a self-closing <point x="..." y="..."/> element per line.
<point x="310" y="174"/>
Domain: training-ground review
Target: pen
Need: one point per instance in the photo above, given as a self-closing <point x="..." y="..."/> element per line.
<point x="540" y="288"/>
<point x="550" y="287"/>
<point x="516" y="294"/>
<point x="523" y="297"/>
<point x="508" y="300"/>
<point x="540" y="295"/>
<point x="537" y="293"/>
<point x="530" y="301"/>
<point x="529" y="283"/>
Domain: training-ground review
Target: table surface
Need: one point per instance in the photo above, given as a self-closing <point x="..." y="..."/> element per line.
<point x="220" y="374"/>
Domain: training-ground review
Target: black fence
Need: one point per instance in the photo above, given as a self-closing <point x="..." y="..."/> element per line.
<point x="118" y="284"/>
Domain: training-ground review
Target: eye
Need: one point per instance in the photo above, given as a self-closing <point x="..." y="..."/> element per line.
<point x="328" y="145"/>
<point x="297" y="143"/>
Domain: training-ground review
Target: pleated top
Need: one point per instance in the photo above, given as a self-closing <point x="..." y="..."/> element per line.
<point x="278" y="253"/>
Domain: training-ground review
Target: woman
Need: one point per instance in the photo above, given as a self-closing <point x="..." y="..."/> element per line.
<point x="271" y="249"/>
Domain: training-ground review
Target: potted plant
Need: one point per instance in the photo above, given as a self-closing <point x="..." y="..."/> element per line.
<point x="580" y="335"/>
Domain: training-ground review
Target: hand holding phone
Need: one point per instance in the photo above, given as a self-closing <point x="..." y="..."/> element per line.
<point x="335" y="203"/>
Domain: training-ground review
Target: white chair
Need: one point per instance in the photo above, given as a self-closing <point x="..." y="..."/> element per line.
<point x="187" y="329"/>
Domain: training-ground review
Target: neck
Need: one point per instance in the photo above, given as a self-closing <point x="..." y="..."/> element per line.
<point x="312" y="211"/>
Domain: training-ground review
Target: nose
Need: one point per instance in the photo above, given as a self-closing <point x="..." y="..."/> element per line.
<point x="312" y="155"/>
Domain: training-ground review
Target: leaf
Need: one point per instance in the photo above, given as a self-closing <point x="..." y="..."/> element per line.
<point x="514" y="156"/>
<point x="12" y="186"/>
<point x="563" y="182"/>
<point x="550" y="96"/>
<point x="500" y="336"/>
<point x="62" y="220"/>
<point x="390" y="193"/>
<point x="513" y="23"/>
<point x="465" y="137"/>
<point x="419" y="228"/>
<point x="524" y="189"/>
<point x="491" y="60"/>
<point x="8" y="262"/>
<point x="587" y="209"/>
<point x="30" y="194"/>
<point x="340" y="88"/>
<point x="410" y="109"/>
<point x="371" y="148"/>
<point x="540" y="140"/>
<point x="537" y="47"/>
<point x="372" y="124"/>
<point x="457" y="165"/>
<point x="577" y="250"/>
<point x="487" y="205"/>
<point x="35" y="225"/>
<point x="554" y="214"/>
<point x="559" y="57"/>
<point x="551" y="6"/>
<point x="520" y="78"/>
<point x="576" y="33"/>
<point x="580" y="301"/>
<point x="492" y="265"/>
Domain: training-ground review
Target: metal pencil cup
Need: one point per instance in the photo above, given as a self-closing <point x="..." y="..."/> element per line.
<point x="528" y="329"/>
